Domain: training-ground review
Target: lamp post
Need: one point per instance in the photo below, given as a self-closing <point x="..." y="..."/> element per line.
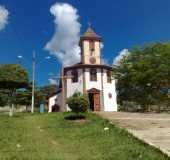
<point x="33" y="81"/>
<point x="34" y="60"/>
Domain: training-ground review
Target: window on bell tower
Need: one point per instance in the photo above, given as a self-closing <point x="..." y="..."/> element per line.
<point x="74" y="74"/>
<point x="91" y="46"/>
<point x="93" y="75"/>
<point x="109" y="76"/>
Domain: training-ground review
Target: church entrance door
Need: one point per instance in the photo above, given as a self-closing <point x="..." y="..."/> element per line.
<point x="94" y="99"/>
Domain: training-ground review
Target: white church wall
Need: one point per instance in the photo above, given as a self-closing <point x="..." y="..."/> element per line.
<point x="86" y="51"/>
<point x="74" y="87"/>
<point x="110" y="103"/>
<point x="56" y="99"/>
<point x="51" y="102"/>
<point x="97" y="52"/>
<point x="93" y="84"/>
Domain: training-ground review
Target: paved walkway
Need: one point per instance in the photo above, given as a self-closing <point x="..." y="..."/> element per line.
<point x="152" y="128"/>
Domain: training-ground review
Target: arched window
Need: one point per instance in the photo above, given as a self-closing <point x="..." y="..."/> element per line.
<point x="92" y="45"/>
<point x="74" y="74"/>
<point x="93" y="75"/>
<point x="109" y="76"/>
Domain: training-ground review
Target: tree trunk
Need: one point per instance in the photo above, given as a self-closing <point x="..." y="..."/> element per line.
<point x="11" y="112"/>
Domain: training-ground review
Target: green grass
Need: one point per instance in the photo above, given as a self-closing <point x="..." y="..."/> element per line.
<point x="51" y="137"/>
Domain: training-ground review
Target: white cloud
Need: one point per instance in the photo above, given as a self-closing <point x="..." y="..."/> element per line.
<point x="121" y="54"/>
<point x="4" y="14"/>
<point x="102" y="45"/>
<point x="105" y="61"/>
<point x="52" y="81"/>
<point x="64" y="43"/>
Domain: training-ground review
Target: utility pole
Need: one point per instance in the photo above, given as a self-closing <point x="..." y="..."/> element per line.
<point x="63" y="89"/>
<point x="34" y="63"/>
<point x="63" y="79"/>
<point x="33" y="81"/>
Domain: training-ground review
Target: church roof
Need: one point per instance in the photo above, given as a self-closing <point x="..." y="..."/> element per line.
<point x="90" y="35"/>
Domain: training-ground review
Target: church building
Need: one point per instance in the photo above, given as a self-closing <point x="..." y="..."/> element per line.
<point x="90" y="77"/>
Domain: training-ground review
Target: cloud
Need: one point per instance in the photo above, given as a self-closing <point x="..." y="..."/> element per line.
<point x="64" y="43"/>
<point x="102" y="45"/>
<point x="121" y="54"/>
<point x="4" y="14"/>
<point x="105" y="61"/>
<point x="52" y="81"/>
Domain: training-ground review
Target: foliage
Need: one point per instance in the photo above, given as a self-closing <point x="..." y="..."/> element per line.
<point x="78" y="103"/>
<point x="24" y="96"/>
<point x="4" y="97"/>
<point x="49" y="137"/>
<point x="47" y="91"/>
<point x="14" y="84"/>
<point x="144" y="75"/>
<point x="12" y="77"/>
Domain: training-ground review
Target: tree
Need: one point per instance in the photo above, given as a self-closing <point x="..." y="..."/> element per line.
<point x="78" y="103"/>
<point x="12" y="77"/>
<point x="144" y="75"/>
<point x="24" y="96"/>
<point x="47" y="91"/>
<point x="4" y="97"/>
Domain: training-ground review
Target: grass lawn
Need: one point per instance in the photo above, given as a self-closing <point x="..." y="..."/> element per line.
<point x="51" y="137"/>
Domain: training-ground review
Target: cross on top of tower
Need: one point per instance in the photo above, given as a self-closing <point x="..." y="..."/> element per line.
<point x="90" y="32"/>
<point x="89" y="24"/>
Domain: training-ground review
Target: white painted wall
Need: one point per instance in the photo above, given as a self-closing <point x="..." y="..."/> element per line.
<point x="56" y="99"/>
<point x="96" y="53"/>
<point x="93" y="84"/>
<point x="86" y="51"/>
<point x="110" y="104"/>
<point x="74" y="87"/>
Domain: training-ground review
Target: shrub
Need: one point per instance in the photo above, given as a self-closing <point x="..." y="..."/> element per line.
<point x="78" y="103"/>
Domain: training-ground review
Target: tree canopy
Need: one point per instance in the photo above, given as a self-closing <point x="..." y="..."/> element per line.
<point x="144" y="74"/>
<point x="13" y="76"/>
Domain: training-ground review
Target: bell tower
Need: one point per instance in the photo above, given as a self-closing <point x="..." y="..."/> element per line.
<point x="90" y="44"/>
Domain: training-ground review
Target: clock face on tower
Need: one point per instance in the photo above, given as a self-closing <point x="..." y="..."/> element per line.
<point x="92" y="60"/>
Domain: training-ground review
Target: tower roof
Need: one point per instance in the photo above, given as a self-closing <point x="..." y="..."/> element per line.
<point x="90" y="32"/>
<point x="90" y="35"/>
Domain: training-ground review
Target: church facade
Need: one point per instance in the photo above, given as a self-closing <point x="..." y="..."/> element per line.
<point x="89" y="77"/>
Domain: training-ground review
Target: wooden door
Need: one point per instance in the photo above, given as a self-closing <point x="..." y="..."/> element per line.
<point x="96" y="102"/>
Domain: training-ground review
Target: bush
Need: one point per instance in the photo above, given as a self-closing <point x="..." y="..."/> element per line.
<point x="78" y="103"/>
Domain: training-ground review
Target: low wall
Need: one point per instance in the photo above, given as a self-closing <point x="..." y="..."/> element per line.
<point x="16" y="109"/>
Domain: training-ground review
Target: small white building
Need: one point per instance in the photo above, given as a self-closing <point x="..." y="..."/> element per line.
<point x="89" y="77"/>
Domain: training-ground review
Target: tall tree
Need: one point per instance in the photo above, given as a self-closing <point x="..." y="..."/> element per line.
<point x="48" y="90"/>
<point x="144" y="75"/>
<point x="4" y="97"/>
<point x="12" y="77"/>
<point x="24" y="96"/>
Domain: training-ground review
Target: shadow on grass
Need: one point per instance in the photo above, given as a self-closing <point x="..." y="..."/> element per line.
<point x="74" y="116"/>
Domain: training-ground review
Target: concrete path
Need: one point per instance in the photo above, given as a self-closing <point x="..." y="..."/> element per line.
<point x="152" y="128"/>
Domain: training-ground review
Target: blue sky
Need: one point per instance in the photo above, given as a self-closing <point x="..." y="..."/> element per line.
<point x="121" y="23"/>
